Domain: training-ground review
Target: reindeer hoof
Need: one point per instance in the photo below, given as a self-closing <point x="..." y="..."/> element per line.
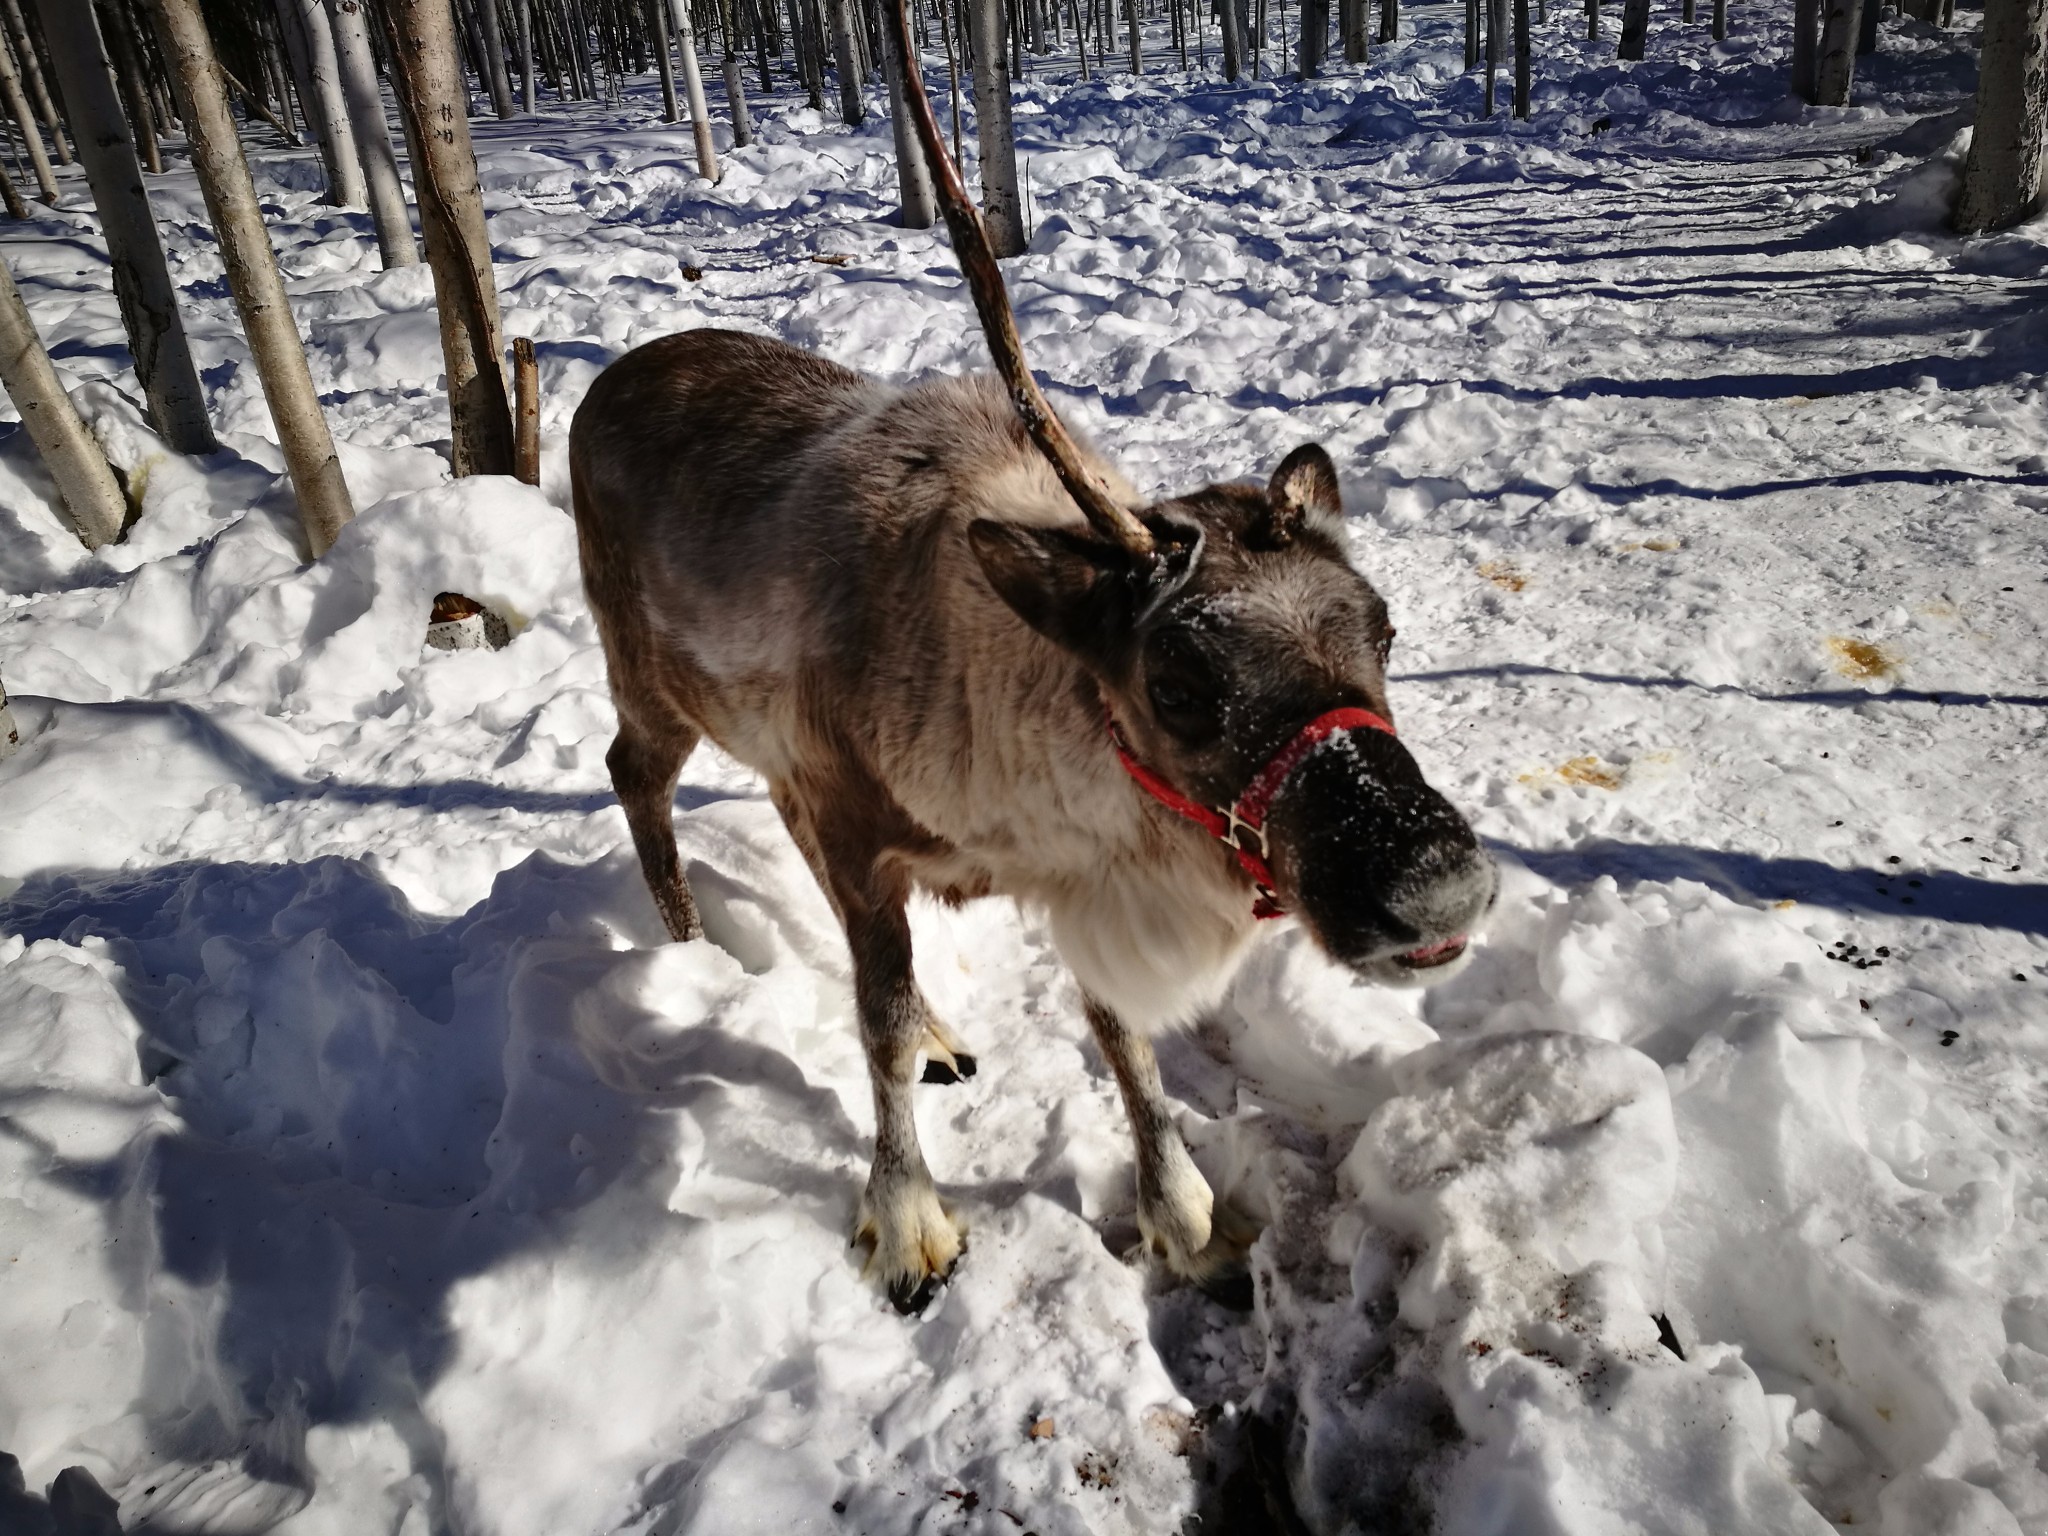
<point x="938" y="1071"/>
<point x="916" y="1244"/>
<point x="910" y="1297"/>
<point x="1230" y="1287"/>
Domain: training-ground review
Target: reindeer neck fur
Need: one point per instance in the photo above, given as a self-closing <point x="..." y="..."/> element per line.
<point x="1004" y="754"/>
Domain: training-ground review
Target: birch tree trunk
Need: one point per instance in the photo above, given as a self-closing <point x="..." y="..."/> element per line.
<point x="913" y="175"/>
<point x="92" y="499"/>
<point x="1494" y="48"/>
<point x="693" y="88"/>
<point x="1390" y="20"/>
<point x="523" y="14"/>
<point x="1315" y="23"/>
<point x="735" y="87"/>
<point x="1350" y="30"/>
<point x="851" y="110"/>
<point x="2002" y="178"/>
<point x="18" y="109"/>
<point x="1635" y="29"/>
<point x="142" y="282"/>
<point x="1233" y="45"/>
<point x="499" y="80"/>
<point x="1836" y="71"/>
<point x="223" y="172"/>
<point x="1805" y="47"/>
<point x="657" y="22"/>
<point x="32" y="77"/>
<point x="1137" y="40"/>
<point x="1522" y="58"/>
<point x="364" y="102"/>
<point x="1720" y="19"/>
<point x="320" y="92"/>
<point x="134" y="89"/>
<point x="999" y="204"/>
<point x="431" y="90"/>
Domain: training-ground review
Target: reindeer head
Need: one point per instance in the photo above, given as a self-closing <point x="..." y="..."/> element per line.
<point x="1217" y="625"/>
<point x="1245" y="625"/>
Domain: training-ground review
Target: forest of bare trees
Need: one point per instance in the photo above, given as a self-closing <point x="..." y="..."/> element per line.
<point x="128" y="87"/>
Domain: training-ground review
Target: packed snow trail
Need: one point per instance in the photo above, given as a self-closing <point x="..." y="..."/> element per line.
<point x="371" y="1164"/>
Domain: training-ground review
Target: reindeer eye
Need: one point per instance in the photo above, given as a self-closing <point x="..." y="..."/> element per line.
<point x="1171" y="697"/>
<point x="1386" y="645"/>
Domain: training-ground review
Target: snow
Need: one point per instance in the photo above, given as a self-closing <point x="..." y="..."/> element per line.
<point x="371" y="1163"/>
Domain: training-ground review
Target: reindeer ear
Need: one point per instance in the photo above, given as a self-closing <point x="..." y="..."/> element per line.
<point x="1074" y="590"/>
<point x="1303" y="493"/>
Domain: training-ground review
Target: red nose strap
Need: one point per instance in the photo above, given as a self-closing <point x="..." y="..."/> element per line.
<point x="1242" y="827"/>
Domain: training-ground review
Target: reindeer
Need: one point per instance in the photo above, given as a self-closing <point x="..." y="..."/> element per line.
<point x="967" y="659"/>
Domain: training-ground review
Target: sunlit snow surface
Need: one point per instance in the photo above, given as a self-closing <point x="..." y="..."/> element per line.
<point x="371" y="1166"/>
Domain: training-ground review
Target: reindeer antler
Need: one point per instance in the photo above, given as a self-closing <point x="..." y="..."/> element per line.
<point x="985" y="280"/>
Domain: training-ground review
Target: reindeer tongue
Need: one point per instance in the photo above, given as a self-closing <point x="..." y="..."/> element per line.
<point x="1434" y="954"/>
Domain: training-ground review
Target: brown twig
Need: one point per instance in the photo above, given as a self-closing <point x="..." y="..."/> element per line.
<point x="985" y="281"/>
<point x="250" y="101"/>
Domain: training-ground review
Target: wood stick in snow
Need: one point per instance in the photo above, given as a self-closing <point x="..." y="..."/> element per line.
<point x="526" y="426"/>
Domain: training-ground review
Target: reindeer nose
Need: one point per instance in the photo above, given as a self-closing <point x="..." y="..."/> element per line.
<point x="1381" y="867"/>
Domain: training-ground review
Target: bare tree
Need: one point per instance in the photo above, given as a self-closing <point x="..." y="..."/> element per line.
<point x="309" y="37"/>
<point x="253" y="278"/>
<point x="134" y="91"/>
<point x="1836" y="70"/>
<point x="1805" y="47"/>
<point x="1315" y="26"/>
<point x="496" y="80"/>
<point x="2002" y="178"/>
<point x="1350" y="29"/>
<point x="32" y="77"/>
<point x="1635" y="29"/>
<point x="847" y="61"/>
<point x="735" y="87"/>
<point x="657" y="30"/>
<point x="1233" y="43"/>
<point x="913" y="175"/>
<point x="142" y="282"/>
<point x="1390" y="20"/>
<point x="365" y="105"/>
<point x="431" y="92"/>
<point x="1521" y="58"/>
<point x="1496" y="46"/>
<point x="523" y="15"/>
<point x="92" y="499"/>
<point x="693" y="88"/>
<point x="999" y="202"/>
<point x="18" y="108"/>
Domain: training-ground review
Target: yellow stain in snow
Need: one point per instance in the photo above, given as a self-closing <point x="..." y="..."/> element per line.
<point x="1504" y="574"/>
<point x="1863" y="660"/>
<point x="1588" y="771"/>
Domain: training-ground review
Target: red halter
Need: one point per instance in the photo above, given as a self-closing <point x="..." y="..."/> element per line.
<point x="1242" y="827"/>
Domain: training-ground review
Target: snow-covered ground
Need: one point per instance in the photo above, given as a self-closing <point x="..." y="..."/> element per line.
<point x="370" y="1164"/>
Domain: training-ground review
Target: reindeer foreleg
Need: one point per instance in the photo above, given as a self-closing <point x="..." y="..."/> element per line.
<point x="1177" y="1212"/>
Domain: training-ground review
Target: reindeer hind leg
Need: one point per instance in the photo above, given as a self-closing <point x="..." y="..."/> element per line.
<point x="644" y="767"/>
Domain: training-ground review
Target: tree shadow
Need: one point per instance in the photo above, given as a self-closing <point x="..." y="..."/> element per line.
<point x="1898" y="890"/>
<point x="1840" y="698"/>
